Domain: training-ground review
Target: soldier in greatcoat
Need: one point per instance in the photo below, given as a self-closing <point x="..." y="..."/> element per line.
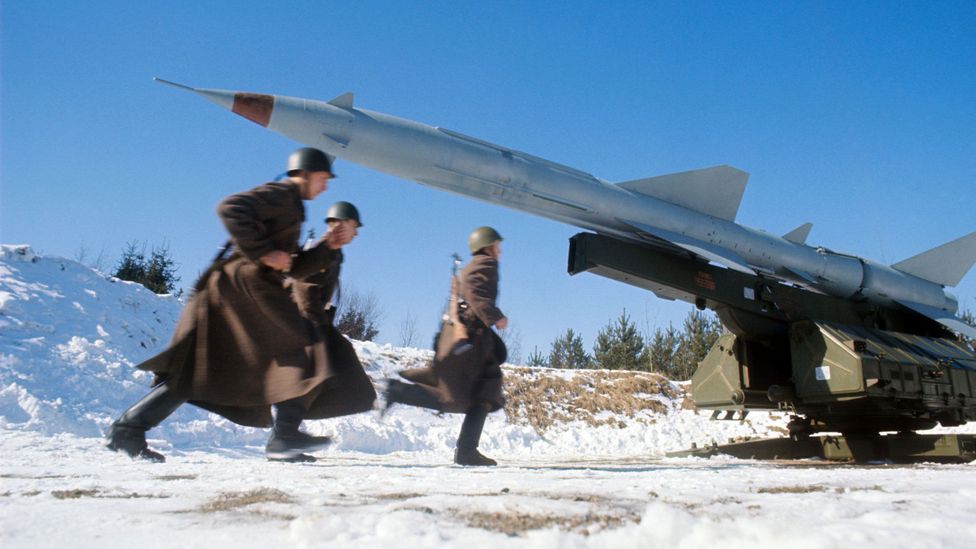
<point x="465" y="376"/>
<point x="241" y="345"/>
<point x="349" y="390"/>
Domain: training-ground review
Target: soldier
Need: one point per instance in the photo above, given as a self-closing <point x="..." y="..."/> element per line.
<point x="241" y="344"/>
<point x="465" y="376"/>
<point x="349" y="390"/>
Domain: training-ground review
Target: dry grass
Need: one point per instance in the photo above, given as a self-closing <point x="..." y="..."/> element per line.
<point x="176" y="477"/>
<point x="542" y="397"/>
<point x="399" y="496"/>
<point x="78" y="493"/>
<point x="792" y="489"/>
<point x="74" y="494"/>
<point x="230" y="501"/>
<point x="514" y="523"/>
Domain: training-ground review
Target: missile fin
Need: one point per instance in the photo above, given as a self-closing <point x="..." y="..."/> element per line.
<point x="799" y="235"/>
<point x="945" y="264"/>
<point x="945" y="318"/>
<point x="344" y="101"/>
<point x="716" y="191"/>
<point x="706" y="250"/>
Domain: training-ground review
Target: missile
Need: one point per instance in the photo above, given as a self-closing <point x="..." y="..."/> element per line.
<point x="692" y="211"/>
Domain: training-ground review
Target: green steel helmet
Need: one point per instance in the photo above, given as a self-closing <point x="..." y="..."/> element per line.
<point x="482" y="237"/>
<point x="309" y="160"/>
<point x="343" y="210"/>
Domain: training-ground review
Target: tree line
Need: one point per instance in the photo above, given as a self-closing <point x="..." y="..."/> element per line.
<point x="621" y="346"/>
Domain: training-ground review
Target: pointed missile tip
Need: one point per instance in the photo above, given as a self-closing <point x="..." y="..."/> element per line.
<point x="173" y="84"/>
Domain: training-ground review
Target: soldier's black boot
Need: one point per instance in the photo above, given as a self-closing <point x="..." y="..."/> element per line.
<point x="287" y="443"/>
<point x="467" y="452"/>
<point x="128" y="433"/>
<point x="398" y="392"/>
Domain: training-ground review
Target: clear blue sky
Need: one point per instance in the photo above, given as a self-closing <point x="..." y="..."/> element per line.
<point x="857" y="116"/>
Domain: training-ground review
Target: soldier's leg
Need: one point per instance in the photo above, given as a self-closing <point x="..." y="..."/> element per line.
<point x="398" y="392"/>
<point x="128" y="433"/>
<point x="467" y="452"/>
<point x="287" y="443"/>
<point x="348" y="392"/>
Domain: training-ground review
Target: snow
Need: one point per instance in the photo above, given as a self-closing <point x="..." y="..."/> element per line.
<point x="70" y="338"/>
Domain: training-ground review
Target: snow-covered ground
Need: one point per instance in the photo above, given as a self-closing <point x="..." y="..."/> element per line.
<point x="569" y="476"/>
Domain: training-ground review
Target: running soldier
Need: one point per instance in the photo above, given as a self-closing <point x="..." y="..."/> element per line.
<point x="465" y="376"/>
<point x="241" y="344"/>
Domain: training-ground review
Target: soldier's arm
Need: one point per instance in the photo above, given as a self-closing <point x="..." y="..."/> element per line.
<point x="241" y="215"/>
<point x="323" y="255"/>
<point x="480" y="290"/>
<point x="314" y="260"/>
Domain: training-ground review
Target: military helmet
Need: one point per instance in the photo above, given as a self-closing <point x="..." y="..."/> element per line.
<point x="482" y="237"/>
<point x="309" y="160"/>
<point x="343" y="210"/>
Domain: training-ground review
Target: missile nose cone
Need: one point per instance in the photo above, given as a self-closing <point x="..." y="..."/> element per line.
<point x="256" y="107"/>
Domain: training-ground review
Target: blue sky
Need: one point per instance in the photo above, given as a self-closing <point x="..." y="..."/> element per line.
<point x="859" y="117"/>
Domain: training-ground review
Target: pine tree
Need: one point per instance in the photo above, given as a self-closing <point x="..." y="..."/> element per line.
<point x="160" y="274"/>
<point x="358" y="315"/>
<point x="567" y="352"/>
<point x="662" y="350"/>
<point x="619" y="346"/>
<point x="700" y="332"/>
<point x="132" y="264"/>
<point x="537" y="359"/>
<point x="353" y="323"/>
<point x="157" y="273"/>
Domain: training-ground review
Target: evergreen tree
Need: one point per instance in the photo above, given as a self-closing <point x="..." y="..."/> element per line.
<point x="619" y="346"/>
<point x="132" y="264"/>
<point x="358" y="315"/>
<point x="537" y="359"/>
<point x="700" y="332"/>
<point x="160" y="274"/>
<point x="355" y="324"/>
<point x="157" y="273"/>
<point x="662" y="350"/>
<point x="567" y="352"/>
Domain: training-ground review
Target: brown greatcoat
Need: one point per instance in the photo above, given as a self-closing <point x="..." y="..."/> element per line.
<point x="241" y="344"/>
<point x="349" y="390"/>
<point x="467" y="372"/>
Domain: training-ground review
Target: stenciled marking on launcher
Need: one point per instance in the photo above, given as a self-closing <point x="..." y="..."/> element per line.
<point x="256" y="107"/>
<point x="704" y="280"/>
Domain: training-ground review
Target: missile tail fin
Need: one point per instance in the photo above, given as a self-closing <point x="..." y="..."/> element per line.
<point x="715" y="191"/>
<point x="799" y="235"/>
<point x="344" y="101"/>
<point x="945" y="264"/>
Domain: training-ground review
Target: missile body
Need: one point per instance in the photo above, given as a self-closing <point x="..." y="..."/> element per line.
<point x="691" y="211"/>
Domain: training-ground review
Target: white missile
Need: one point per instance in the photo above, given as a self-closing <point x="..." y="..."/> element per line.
<point x="694" y="210"/>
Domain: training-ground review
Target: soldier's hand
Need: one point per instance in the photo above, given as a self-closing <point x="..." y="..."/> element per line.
<point x="338" y="236"/>
<point x="277" y="260"/>
<point x="502" y="323"/>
